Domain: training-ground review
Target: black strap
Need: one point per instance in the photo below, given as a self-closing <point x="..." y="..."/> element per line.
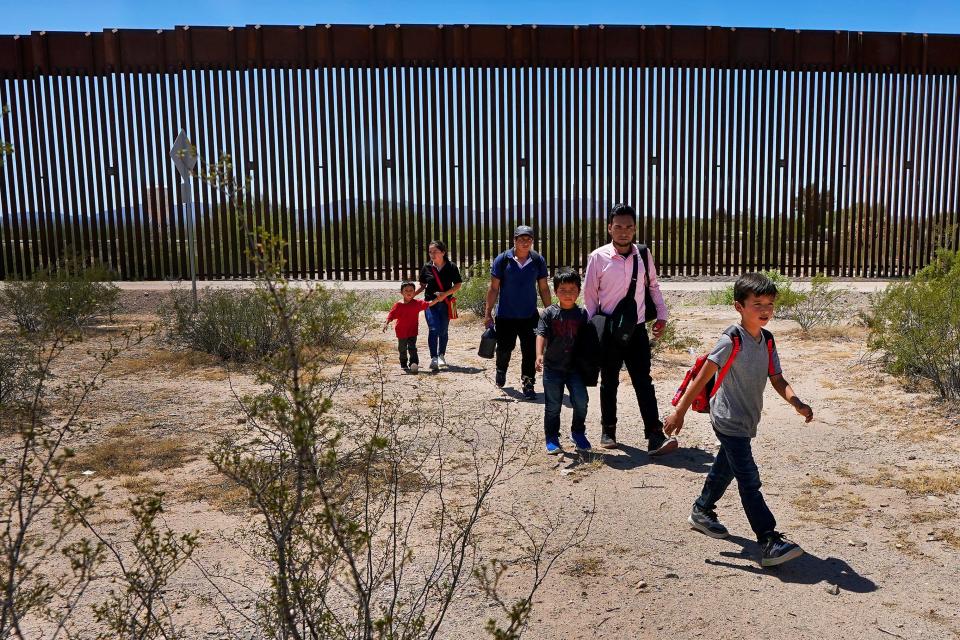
<point x="533" y="256"/>
<point x="632" y="291"/>
<point x="642" y="250"/>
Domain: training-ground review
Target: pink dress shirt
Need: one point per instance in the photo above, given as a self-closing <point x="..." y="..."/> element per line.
<point x="608" y="278"/>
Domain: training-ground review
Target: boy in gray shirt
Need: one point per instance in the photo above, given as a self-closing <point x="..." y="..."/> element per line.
<point x="734" y="413"/>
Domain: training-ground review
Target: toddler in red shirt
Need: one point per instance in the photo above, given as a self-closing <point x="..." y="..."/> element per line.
<point x="407" y="314"/>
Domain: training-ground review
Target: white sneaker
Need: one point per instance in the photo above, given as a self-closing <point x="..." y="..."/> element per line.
<point x="441" y="361"/>
<point x="434" y="365"/>
<point x="414" y="367"/>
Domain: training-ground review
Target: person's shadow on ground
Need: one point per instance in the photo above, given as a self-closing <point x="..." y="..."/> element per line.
<point x="689" y="458"/>
<point x="509" y="394"/>
<point x="452" y="368"/>
<point x="807" y="569"/>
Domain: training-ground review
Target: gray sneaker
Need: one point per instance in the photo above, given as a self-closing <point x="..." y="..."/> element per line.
<point x="434" y="365"/>
<point x="705" y="521"/>
<point x="776" y="549"/>
<point x="414" y="367"/>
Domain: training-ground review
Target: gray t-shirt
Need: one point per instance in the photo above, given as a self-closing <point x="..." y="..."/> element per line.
<point x="735" y="409"/>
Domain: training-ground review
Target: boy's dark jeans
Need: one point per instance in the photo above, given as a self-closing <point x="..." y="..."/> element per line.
<point x="637" y="357"/>
<point x="554" y="382"/>
<point x="735" y="460"/>
<point x="508" y="330"/>
<point x="408" y="346"/>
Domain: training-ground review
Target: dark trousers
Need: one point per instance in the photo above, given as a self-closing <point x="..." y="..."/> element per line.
<point x="735" y="460"/>
<point x="408" y="347"/>
<point x="438" y="321"/>
<point x="636" y="355"/>
<point x="553" y="384"/>
<point x="508" y="330"/>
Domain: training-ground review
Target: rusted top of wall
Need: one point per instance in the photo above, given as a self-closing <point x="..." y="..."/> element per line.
<point x="261" y="46"/>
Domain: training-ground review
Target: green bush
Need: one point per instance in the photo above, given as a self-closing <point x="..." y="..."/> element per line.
<point x="17" y="376"/>
<point x="242" y="325"/>
<point x="786" y="296"/>
<point x="473" y="294"/>
<point x="915" y="325"/>
<point x="64" y="298"/>
<point x="671" y="340"/>
<point x="821" y="306"/>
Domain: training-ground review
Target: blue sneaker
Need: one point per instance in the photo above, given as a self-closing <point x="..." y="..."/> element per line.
<point x="580" y="440"/>
<point x="553" y="446"/>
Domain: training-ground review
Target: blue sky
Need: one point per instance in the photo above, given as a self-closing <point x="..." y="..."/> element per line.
<point x="931" y="16"/>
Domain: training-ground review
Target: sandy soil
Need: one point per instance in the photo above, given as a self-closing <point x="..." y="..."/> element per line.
<point x="870" y="490"/>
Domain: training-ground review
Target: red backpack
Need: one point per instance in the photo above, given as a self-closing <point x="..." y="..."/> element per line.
<point x="701" y="403"/>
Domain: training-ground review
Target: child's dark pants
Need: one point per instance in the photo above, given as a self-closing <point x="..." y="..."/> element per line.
<point x="408" y="346"/>
<point x="735" y="460"/>
<point x="553" y="383"/>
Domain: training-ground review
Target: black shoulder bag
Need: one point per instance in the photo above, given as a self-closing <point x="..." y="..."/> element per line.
<point x="622" y="321"/>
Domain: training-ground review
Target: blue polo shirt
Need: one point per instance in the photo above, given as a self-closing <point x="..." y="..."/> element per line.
<point x="518" y="285"/>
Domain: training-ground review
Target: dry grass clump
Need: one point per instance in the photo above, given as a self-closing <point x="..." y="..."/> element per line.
<point x="179" y="362"/>
<point x="123" y="453"/>
<point x="218" y="491"/>
<point x="586" y="566"/>
<point x="816" y="506"/>
<point x="935" y="482"/>
<point x="921" y="517"/>
<point x="950" y="536"/>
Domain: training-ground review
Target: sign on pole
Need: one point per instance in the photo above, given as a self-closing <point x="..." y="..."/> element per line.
<point x="184" y="156"/>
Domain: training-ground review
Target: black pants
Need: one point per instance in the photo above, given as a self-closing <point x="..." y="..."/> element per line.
<point x="636" y="355"/>
<point x="508" y="330"/>
<point x="408" y="346"/>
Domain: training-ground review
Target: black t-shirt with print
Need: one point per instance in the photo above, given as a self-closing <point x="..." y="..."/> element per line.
<point x="560" y="327"/>
<point x="449" y="275"/>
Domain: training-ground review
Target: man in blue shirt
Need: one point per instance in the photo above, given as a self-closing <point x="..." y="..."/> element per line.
<point x="516" y="276"/>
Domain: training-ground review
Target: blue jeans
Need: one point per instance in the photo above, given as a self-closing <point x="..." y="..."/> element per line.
<point x="438" y="320"/>
<point x="735" y="460"/>
<point x="553" y="383"/>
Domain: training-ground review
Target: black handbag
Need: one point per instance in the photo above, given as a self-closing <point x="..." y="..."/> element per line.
<point x="488" y="343"/>
<point x="650" y="308"/>
<point x="622" y="321"/>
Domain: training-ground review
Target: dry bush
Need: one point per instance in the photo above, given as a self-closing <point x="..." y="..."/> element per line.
<point x="125" y="454"/>
<point x="936" y="482"/>
<point x="218" y="491"/>
<point x="821" y="306"/>
<point x="179" y="362"/>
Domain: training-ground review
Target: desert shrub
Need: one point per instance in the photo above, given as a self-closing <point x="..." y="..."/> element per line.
<point x="786" y="295"/>
<point x="915" y="325"/>
<point x="672" y="340"/>
<point x="17" y="377"/>
<point x="473" y="294"/>
<point x="241" y="326"/>
<point x="821" y="306"/>
<point x="67" y="296"/>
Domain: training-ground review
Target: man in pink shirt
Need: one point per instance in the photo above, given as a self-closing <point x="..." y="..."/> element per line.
<point x="607" y="282"/>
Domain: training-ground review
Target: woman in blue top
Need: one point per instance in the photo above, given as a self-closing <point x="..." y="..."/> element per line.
<point x="441" y="279"/>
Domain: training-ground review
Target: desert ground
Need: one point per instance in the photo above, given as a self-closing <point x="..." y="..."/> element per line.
<point x="870" y="489"/>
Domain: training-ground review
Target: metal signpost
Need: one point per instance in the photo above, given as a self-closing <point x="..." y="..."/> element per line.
<point x="184" y="156"/>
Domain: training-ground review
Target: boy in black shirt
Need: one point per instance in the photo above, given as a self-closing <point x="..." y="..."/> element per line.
<point x="556" y="338"/>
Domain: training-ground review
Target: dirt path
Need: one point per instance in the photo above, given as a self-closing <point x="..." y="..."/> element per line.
<point x="870" y="489"/>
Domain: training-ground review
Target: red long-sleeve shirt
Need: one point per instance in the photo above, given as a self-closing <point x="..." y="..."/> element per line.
<point x="407" y="315"/>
